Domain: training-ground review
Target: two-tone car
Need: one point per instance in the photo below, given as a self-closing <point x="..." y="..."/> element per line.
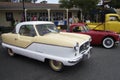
<point x="41" y="40"/>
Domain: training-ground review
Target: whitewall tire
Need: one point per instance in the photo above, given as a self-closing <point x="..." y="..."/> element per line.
<point x="56" y="65"/>
<point x="108" y="42"/>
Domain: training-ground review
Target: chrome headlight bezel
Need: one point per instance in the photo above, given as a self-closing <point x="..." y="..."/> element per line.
<point x="76" y="47"/>
<point x="84" y="46"/>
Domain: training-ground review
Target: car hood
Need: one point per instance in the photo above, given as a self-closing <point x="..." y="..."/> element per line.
<point x="103" y="31"/>
<point x="63" y="39"/>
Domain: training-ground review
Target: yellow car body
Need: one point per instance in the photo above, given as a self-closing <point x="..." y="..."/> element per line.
<point x="112" y="23"/>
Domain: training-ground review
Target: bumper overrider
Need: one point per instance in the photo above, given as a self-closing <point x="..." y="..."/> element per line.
<point x="118" y="41"/>
<point x="84" y="56"/>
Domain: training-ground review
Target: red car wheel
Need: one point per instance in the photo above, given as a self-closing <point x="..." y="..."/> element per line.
<point x="108" y="42"/>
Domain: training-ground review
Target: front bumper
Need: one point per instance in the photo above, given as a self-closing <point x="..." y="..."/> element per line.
<point x="84" y="56"/>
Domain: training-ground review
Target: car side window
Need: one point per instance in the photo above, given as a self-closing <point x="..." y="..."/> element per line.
<point x="114" y="18"/>
<point x="77" y="29"/>
<point x="27" y="30"/>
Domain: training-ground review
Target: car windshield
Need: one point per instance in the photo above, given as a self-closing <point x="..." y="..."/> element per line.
<point x="84" y="28"/>
<point x="46" y="28"/>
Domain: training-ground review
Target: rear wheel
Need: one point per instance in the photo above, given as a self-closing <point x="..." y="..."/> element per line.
<point x="10" y="52"/>
<point x="56" y="65"/>
<point x="108" y="42"/>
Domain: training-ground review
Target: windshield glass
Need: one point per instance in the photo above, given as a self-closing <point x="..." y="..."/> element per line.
<point x="81" y="28"/>
<point x="46" y="28"/>
<point x="86" y="28"/>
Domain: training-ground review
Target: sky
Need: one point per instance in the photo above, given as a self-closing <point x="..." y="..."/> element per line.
<point x="49" y="1"/>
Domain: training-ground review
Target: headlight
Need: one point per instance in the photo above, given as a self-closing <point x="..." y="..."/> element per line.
<point x="85" y="46"/>
<point x="76" y="47"/>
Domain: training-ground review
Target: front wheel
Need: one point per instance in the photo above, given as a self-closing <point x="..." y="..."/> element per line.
<point x="108" y="42"/>
<point x="10" y="52"/>
<point x="56" y="65"/>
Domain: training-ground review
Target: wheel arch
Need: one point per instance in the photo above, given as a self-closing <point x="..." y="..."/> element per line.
<point x="46" y="60"/>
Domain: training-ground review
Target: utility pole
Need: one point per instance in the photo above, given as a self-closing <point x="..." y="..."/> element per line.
<point x="48" y="14"/>
<point x="23" y="10"/>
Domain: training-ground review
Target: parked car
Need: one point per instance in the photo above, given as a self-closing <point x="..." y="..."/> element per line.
<point x="111" y="23"/>
<point x="41" y="40"/>
<point x="99" y="37"/>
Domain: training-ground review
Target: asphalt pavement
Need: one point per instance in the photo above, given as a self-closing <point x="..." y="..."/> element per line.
<point x="104" y="64"/>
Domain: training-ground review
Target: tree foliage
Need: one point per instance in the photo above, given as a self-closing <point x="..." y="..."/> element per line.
<point x="66" y="4"/>
<point x="85" y="5"/>
<point x="114" y="4"/>
<point x="20" y="0"/>
<point x="5" y="0"/>
<point x="26" y="0"/>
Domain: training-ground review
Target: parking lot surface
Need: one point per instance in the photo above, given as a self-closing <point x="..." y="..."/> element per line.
<point x="104" y="64"/>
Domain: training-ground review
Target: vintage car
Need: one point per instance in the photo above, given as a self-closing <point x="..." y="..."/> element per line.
<point x="110" y="22"/>
<point x="41" y="40"/>
<point x="99" y="37"/>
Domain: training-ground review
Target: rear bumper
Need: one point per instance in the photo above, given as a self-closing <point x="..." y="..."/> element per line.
<point x="117" y="42"/>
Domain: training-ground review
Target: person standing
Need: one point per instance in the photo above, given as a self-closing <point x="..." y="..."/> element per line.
<point x="76" y="20"/>
<point x="70" y="20"/>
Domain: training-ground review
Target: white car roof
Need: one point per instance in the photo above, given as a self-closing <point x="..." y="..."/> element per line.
<point x="31" y="23"/>
<point x="36" y="22"/>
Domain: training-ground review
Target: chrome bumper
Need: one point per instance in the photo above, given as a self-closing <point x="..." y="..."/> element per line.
<point x="86" y="55"/>
<point x="117" y="42"/>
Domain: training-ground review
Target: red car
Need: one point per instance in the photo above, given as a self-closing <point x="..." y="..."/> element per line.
<point x="99" y="37"/>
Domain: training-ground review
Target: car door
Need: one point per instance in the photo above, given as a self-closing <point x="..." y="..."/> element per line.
<point x="26" y="36"/>
<point x="113" y="24"/>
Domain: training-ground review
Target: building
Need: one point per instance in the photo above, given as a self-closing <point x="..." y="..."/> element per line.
<point x="11" y="12"/>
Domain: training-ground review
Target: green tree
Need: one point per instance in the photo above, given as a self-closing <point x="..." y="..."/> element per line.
<point x="66" y="4"/>
<point x="26" y="0"/>
<point x="20" y="0"/>
<point x="114" y="4"/>
<point x="5" y="0"/>
<point x="85" y="5"/>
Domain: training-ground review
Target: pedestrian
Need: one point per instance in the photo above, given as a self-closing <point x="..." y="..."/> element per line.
<point x="16" y="22"/>
<point x="34" y="18"/>
<point x="70" y="20"/>
<point x="76" y="20"/>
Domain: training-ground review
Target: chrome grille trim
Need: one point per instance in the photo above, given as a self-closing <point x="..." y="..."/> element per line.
<point x="84" y="47"/>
